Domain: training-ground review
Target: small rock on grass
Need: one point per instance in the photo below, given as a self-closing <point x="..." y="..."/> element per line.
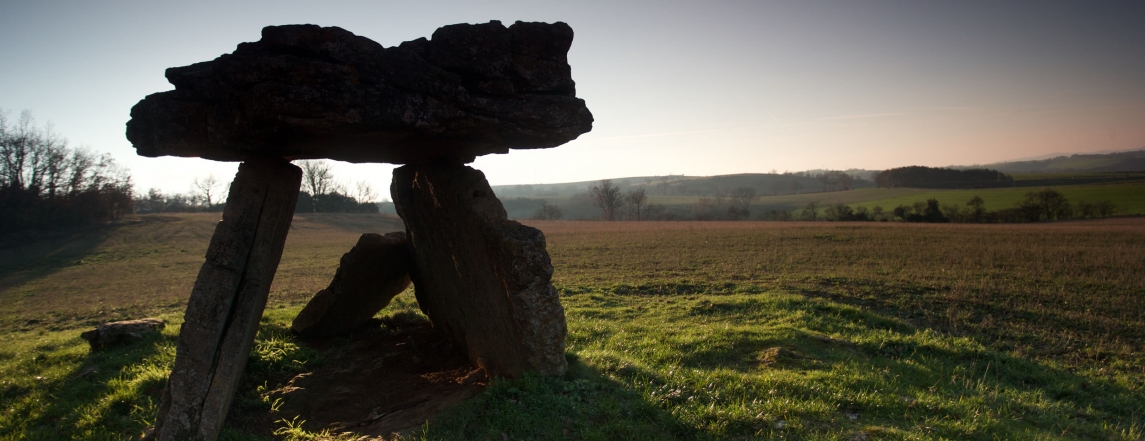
<point x="121" y="332"/>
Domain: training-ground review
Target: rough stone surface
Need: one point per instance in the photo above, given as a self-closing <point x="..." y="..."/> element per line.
<point x="368" y="277"/>
<point x="306" y="92"/>
<point x="228" y="299"/>
<point x="482" y="279"/>
<point x="121" y="332"/>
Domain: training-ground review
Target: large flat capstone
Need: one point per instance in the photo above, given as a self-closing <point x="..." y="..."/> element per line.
<point x="308" y="92"/>
<point x="482" y="279"/>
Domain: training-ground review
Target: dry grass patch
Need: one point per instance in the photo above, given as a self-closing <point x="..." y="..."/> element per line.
<point x="148" y="265"/>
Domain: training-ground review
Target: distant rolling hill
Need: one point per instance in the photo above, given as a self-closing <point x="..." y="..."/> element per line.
<point x="1091" y="176"/>
<point x="1106" y="162"/>
<point x="679" y="185"/>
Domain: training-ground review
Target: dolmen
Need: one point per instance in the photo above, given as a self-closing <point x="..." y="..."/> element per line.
<point x="432" y="106"/>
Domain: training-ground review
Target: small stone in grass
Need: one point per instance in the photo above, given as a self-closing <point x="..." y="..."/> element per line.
<point x="121" y="332"/>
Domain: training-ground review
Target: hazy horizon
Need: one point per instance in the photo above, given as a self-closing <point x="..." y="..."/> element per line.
<point x="676" y="87"/>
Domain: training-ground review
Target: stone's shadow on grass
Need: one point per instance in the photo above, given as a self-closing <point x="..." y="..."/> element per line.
<point x="583" y="404"/>
<point x="748" y="352"/>
<point x="114" y="391"/>
<point x="970" y="370"/>
<point x="23" y="259"/>
<point x="762" y="365"/>
<point x="1053" y="400"/>
<point x="385" y="378"/>
<point x="974" y="366"/>
<point x="1035" y="325"/>
<point x="393" y="375"/>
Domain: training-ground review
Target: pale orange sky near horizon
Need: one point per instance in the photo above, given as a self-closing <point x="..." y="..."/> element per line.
<point x="675" y="87"/>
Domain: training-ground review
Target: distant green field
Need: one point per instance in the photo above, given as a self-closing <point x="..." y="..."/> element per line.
<point x="852" y="197"/>
<point x="1129" y="197"/>
<point x="1125" y="189"/>
<point x="1084" y="163"/>
<point x="1077" y="175"/>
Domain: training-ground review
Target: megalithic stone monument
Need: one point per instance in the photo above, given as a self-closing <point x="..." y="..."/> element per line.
<point x="309" y="92"/>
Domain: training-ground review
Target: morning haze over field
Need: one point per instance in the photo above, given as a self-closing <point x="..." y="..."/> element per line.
<point x="730" y="220"/>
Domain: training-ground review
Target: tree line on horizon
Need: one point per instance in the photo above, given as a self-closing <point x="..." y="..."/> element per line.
<point x="632" y="205"/>
<point x="1046" y="204"/>
<point x="616" y="205"/>
<point x="320" y="193"/>
<point x="773" y="184"/>
<point x="46" y="184"/>
<point x="917" y="176"/>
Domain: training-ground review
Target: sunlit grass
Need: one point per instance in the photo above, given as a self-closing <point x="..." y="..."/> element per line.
<point x="676" y="331"/>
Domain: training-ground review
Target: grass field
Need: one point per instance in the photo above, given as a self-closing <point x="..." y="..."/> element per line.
<point x="705" y="330"/>
<point x="1128" y="196"/>
<point x="1078" y="176"/>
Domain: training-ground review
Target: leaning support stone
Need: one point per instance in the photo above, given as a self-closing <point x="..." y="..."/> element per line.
<point x="228" y="299"/>
<point x="368" y="277"/>
<point x="482" y="279"/>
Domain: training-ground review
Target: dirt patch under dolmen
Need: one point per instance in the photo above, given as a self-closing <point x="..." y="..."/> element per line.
<point x="388" y="379"/>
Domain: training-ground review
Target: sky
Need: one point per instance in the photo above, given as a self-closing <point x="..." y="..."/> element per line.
<point x="693" y="88"/>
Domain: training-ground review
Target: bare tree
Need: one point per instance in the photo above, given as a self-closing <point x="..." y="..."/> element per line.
<point x="207" y="189"/>
<point x="365" y="193"/>
<point x="720" y="196"/>
<point x="795" y="186"/>
<point x="742" y="197"/>
<point x="636" y="199"/>
<point x="316" y="177"/>
<point x="845" y="180"/>
<point x="607" y="198"/>
<point x="45" y="183"/>
<point x="776" y="186"/>
<point x="702" y="209"/>
<point x="976" y="211"/>
<point x="29" y="154"/>
<point x="828" y="180"/>
<point x="548" y="212"/>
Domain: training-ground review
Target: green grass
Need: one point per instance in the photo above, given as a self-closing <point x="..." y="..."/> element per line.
<point x="680" y="331"/>
<point x="54" y="389"/>
<point x="1077" y="175"/>
<point x="1128" y="197"/>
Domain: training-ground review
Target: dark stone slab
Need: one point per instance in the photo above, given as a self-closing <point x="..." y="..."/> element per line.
<point x="228" y="299"/>
<point x="121" y="333"/>
<point x="306" y="92"/>
<point x="482" y="279"/>
<point x="368" y="277"/>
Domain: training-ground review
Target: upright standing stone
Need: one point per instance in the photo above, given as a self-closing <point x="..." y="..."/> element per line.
<point x="228" y="299"/>
<point x="482" y="279"/>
